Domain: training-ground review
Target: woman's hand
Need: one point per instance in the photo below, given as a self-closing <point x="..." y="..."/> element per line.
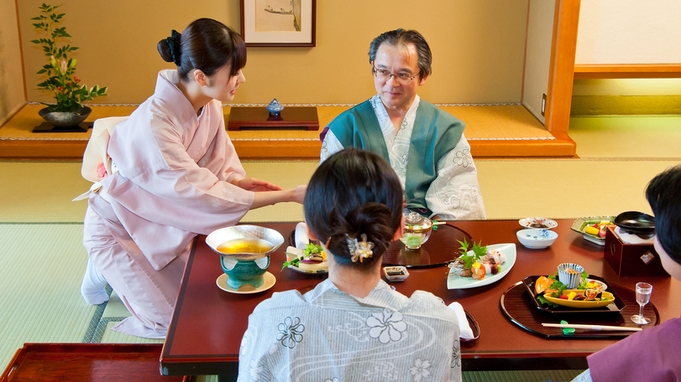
<point x="253" y="184"/>
<point x="299" y="193"/>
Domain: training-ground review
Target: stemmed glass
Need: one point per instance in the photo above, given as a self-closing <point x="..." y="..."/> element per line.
<point x="643" y="291"/>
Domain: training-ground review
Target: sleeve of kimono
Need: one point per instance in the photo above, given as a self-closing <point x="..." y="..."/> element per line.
<point x="330" y="146"/>
<point x="167" y="186"/>
<point x="455" y="193"/>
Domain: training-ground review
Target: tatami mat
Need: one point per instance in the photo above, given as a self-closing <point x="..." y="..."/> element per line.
<point x="627" y="137"/>
<point x="42" y="266"/>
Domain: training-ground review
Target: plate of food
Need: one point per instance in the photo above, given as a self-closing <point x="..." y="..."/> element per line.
<point x="550" y="295"/>
<point x="480" y="266"/>
<point x="312" y="259"/>
<point x="541" y="223"/>
<point x="593" y="228"/>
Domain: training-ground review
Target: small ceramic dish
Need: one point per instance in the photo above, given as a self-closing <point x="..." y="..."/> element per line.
<point x="541" y="223"/>
<point x="570" y="274"/>
<point x="395" y="274"/>
<point x="536" y="238"/>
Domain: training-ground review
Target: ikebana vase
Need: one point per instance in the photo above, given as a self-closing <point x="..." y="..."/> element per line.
<point x="64" y="119"/>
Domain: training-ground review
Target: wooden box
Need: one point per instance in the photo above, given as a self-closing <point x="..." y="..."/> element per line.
<point x="631" y="259"/>
<point x="87" y="362"/>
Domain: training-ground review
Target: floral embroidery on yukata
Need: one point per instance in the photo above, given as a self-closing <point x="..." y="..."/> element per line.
<point x="354" y="327"/>
<point x="254" y="370"/>
<point x="290" y="332"/>
<point x="386" y="326"/>
<point x="420" y="369"/>
<point x="463" y="158"/>
<point x="456" y="354"/>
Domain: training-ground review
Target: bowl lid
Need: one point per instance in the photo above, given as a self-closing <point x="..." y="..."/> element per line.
<point x="635" y="222"/>
<point x="416" y="220"/>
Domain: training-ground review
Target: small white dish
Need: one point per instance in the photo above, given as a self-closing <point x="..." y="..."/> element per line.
<point x="395" y="274"/>
<point x="268" y="282"/>
<point x="536" y="238"/>
<point x="537" y="222"/>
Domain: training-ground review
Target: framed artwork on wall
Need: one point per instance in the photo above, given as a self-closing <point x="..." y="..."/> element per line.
<point x="278" y="23"/>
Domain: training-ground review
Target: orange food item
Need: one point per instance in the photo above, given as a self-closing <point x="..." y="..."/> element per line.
<point x="542" y="284"/>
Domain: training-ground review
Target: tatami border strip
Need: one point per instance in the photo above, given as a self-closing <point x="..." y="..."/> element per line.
<point x="306" y="104"/>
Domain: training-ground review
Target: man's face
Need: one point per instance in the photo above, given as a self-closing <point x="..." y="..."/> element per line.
<point x="396" y="60"/>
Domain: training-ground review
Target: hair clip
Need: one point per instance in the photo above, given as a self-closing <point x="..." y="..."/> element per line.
<point x="360" y="250"/>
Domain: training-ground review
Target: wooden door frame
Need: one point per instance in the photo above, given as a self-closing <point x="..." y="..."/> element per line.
<point x="562" y="67"/>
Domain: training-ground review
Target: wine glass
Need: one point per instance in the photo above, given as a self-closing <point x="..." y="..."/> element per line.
<point x="643" y="291"/>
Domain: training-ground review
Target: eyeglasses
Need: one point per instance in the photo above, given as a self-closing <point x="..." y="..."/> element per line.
<point x="384" y="75"/>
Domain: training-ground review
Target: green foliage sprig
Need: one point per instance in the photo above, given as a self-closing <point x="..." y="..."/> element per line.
<point x="60" y="69"/>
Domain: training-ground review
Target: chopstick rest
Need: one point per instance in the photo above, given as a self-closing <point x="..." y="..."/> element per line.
<point x="594" y="327"/>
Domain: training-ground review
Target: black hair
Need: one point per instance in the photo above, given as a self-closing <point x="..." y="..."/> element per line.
<point x="664" y="196"/>
<point x="205" y="44"/>
<point x="351" y="193"/>
<point x="399" y="37"/>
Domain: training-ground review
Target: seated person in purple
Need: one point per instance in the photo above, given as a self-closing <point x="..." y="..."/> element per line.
<point x="652" y="354"/>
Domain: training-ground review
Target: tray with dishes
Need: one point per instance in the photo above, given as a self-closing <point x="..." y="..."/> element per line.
<point x="593" y="228"/>
<point x="609" y="301"/>
<point x="518" y="306"/>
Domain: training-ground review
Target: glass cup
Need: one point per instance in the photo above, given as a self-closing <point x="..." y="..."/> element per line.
<point x="643" y="292"/>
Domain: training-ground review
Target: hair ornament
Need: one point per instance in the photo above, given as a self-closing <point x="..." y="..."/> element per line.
<point x="174" y="45"/>
<point x="360" y="250"/>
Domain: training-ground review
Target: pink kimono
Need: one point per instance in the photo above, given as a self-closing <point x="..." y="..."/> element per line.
<point x="171" y="181"/>
<point x="654" y="354"/>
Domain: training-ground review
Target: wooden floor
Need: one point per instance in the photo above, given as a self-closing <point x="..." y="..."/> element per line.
<point x="492" y="131"/>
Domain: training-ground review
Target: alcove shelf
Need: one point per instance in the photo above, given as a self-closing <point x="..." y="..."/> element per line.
<point x="492" y="131"/>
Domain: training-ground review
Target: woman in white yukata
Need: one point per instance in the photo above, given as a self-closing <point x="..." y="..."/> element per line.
<point x="174" y="174"/>
<point x="352" y="326"/>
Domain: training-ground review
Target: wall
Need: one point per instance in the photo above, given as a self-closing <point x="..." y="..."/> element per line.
<point x="629" y="32"/>
<point x="478" y="48"/>
<point x="12" y="94"/>
<point x="538" y="55"/>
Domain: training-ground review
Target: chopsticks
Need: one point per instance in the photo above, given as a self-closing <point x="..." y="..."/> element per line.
<point x="594" y="327"/>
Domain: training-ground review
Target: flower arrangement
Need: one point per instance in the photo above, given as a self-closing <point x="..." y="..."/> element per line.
<point x="61" y="70"/>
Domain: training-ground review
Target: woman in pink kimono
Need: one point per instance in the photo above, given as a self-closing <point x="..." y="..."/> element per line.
<point x="173" y="174"/>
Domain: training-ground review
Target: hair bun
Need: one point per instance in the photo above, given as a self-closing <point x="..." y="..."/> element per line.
<point x="169" y="48"/>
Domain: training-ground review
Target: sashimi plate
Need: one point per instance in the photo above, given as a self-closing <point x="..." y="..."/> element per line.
<point x="457" y="282"/>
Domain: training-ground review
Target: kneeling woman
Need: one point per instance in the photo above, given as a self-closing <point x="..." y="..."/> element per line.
<point x="175" y="174"/>
<point x="352" y="326"/>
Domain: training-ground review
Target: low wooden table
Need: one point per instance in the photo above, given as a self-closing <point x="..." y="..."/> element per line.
<point x="207" y="325"/>
<point x="304" y="118"/>
<point x="87" y="362"/>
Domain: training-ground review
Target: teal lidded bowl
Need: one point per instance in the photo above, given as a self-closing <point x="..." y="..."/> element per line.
<point x="244" y="252"/>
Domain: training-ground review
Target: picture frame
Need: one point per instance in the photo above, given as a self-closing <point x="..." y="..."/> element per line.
<point x="278" y="23"/>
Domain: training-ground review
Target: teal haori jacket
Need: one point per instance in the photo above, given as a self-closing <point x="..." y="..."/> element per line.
<point x="435" y="133"/>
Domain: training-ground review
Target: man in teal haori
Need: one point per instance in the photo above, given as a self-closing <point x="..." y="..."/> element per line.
<point x="424" y="145"/>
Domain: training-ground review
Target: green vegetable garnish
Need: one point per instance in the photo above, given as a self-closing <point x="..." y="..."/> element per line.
<point x="309" y="250"/>
<point x="478" y="251"/>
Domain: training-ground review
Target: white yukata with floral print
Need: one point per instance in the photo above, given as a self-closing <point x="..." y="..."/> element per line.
<point x="328" y="335"/>
<point x="454" y="194"/>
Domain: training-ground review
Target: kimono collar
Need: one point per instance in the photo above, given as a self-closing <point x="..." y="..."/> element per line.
<point x="168" y="93"/>
<point x="382" y="296"/>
